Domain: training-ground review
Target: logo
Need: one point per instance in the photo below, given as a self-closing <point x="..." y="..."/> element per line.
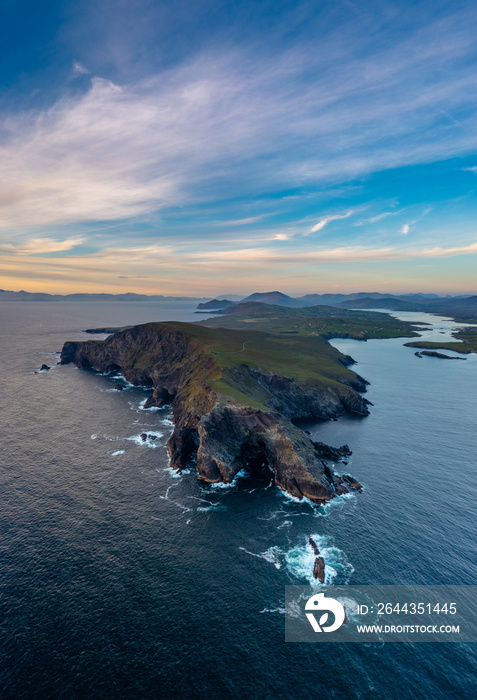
<point x="329" y="605"/>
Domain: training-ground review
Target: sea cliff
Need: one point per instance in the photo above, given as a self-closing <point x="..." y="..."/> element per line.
<point x="234" y="396"/>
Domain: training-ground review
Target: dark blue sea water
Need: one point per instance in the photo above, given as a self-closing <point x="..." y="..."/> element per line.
<point x="120" y="579"/>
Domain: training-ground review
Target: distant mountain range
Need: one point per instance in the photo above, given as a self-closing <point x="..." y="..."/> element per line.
<point x="459" y="307"/>
<point x="128" y="296"/>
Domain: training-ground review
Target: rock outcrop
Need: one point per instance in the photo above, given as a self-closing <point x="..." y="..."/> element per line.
<point x="319" y="569"/>
<point x="218" y="422"/>
<point x="334" y="453"/>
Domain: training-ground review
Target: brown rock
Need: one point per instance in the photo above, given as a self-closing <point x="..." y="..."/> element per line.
<point x="314" y="546"/>
<point x="352" y="482"/>
<point x="319" y="569"/>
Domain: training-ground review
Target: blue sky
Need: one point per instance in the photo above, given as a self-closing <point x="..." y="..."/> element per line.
<point x="210" y="147"/>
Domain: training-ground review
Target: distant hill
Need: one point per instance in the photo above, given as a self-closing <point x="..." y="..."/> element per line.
<point x="275" y="298"/>
<point x="216" y="304"/>
<point x="334" y="299"/>
<point x="460" y="308"/>
<point x="392" y="303"/>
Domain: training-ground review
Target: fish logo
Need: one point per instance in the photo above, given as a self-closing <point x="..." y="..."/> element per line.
<point x="319" y="602"/>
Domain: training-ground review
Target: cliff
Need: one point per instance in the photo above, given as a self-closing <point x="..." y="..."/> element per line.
<point x="234" y="395"/>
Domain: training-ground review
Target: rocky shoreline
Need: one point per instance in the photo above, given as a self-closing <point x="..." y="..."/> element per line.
<point x="221" y="433"/>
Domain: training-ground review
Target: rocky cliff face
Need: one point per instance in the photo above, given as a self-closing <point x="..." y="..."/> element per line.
<point x="221" y="433"/>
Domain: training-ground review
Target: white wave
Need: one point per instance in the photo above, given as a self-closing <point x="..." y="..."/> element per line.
<point x="119" y="377"/>
<point x="137" y="439"/>
<point x="110" y="438"/>
<point x="301" y="558"/>
<point x="142" y="406"/>
<point x="272" y="555"/>
<point x="276" y="513"/>
<point x="118" y="452"/>
<point x="336" y="503"/>
<point x="173" y="472"/>
<point x="292" y="609"/>
<point x="213" y="506"/>
<point x="202" y="500"/>
<point x="285" y="523"/>
<point x="288" y="497"/>
<point x="231" y="484"/>
<point x="165" y="497"/>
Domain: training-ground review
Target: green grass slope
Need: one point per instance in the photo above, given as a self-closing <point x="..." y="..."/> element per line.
<point x="326" y="321"/>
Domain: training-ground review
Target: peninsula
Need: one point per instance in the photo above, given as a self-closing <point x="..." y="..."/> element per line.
<point x="237" y="383"/>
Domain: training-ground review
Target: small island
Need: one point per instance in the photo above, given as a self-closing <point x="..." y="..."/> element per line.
<point x="237" y="383"/>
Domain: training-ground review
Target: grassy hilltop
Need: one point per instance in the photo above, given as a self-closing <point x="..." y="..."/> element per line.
<point x="325" y="321"/>
<point x="292" y="343"/>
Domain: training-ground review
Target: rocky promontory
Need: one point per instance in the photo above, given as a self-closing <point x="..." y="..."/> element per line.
<point x="234" y="395"/>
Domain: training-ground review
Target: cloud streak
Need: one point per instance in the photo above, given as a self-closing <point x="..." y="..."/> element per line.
<point x="327" y="219"/>
<point x="378" y="217"/>
<point x="40" y="246"/>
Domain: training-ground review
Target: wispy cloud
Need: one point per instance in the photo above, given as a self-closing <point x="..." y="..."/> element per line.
<point x="378" y="217"/>
<point x="40" y="246"/>
<point x="407" y="227"/>
<point x="241" y="222"/>
<point x="326" y="220"/>
<point x="215" y="127"/>
<point x="79" y="69"/>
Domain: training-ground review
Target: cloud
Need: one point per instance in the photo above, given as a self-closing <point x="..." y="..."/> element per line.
<point x="79" y="69"/>
<point x="378" y="217"/>
<point x="154" y="270"/>
<point x="215" y="127"/>
<point x="241" y="222"/>
<point x="407" y="227"/>
<point x="40" y="246"/>
<point x="326" y="220"/>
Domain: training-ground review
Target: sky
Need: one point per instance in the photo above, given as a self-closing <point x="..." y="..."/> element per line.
<point x="205" y="147"/>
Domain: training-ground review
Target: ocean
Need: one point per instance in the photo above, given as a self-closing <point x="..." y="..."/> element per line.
<point x="122" y="579"/>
